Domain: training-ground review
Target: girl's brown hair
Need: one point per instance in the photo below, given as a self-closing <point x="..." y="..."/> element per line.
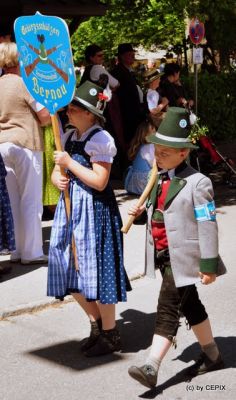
<point x="143" y="130"/>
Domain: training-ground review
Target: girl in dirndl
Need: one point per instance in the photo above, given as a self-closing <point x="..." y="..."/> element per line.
<point x="94" y="223"/>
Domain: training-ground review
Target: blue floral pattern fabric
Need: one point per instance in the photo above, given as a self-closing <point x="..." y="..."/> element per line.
<point x="7" y="239"/>
<point x="95" y="223"/>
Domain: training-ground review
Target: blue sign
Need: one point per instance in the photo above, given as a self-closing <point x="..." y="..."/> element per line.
<point x="45" y="58"/>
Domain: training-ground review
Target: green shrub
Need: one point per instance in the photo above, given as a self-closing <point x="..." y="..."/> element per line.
<point x="216" y="102"/>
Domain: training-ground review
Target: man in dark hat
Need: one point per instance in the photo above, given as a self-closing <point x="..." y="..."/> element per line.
<point x="127" y="92"/>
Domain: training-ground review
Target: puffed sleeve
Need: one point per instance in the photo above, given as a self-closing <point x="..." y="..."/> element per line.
<point x="101" y="147"/>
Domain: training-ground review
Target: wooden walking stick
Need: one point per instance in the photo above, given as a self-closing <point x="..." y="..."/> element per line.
<point x="56" y="131"/>
<point x="143" y="197"/>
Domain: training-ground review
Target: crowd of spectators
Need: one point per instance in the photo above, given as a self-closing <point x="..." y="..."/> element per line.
<point x="136" y="101"/>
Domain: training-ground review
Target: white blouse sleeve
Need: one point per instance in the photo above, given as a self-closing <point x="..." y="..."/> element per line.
<point x="101" y="147"/>
<point x="36" y="106"/>
<point x="97" y="70"/>
<point x="148" y="153"/>
<point x="152" y="99"/>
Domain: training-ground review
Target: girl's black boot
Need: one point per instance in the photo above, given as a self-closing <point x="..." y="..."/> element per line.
<point x="96" y="328"/>
<point x="108" y="342"/>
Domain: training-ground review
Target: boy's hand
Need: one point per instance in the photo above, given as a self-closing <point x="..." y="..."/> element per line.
<point x="207" y="278"/>
<point x="61" y="158"/>
<point x="135" y="210"/>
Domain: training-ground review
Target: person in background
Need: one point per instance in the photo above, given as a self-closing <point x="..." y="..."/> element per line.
<point x="156" y="104"/>
<point x="21" y="147"/>
<point x="94" y="57"/>
<point x="183" y="241"/>
<point x="50" y="192"/>
<point x="172" y="88"/>
<point x="5" y="36"/>
<point x="127" y="92"/>
<point x="141" y="154"/>
<point x="7" y="239"/>
<point x="95" y="223"/>
<point x="94" y="69"/>
<point x="162" y="64"/>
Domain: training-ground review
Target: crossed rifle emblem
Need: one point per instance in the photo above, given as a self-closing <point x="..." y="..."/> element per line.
<point x="43" y="58"/>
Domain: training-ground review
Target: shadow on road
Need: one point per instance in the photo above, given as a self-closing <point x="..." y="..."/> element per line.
<point x="69" y="355"/>
<point x="136" y="330"/>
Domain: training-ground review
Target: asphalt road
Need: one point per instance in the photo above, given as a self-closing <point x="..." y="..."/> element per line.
<point x="40" y="349"/>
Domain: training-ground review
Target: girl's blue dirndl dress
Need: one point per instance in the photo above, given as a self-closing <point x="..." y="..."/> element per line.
<point x="7" y="239"/>
<point x="95" y="223"/>
<point x="137" y="174"/>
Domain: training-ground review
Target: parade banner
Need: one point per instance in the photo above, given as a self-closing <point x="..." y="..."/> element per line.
<point x="45" y="58"/>
<point x="47" y="69"/>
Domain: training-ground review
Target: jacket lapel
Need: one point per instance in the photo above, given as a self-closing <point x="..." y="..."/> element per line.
<point x="153" y="195"/>
<point x="176" y="185"/>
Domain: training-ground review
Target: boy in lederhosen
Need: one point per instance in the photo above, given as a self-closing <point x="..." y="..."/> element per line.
<point x="183" y="231"/>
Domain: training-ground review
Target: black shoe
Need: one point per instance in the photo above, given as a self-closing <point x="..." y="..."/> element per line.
<point x="96" y="328"/>
<point x="204" y="364"/>
<point x="146" y="375"/>
<point x="107" y="342"/>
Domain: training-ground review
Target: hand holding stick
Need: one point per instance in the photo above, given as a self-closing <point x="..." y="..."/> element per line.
<point x="57" y="138"/>
<point x="143" y="197"/>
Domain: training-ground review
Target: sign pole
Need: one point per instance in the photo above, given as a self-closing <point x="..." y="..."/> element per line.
<point x="57" y="138"/>
<point x="196" y="34"/>
<point x="196" y="88"/>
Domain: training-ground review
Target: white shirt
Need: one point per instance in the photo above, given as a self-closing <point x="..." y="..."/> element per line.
<point x="152" y="99"/>
<point x="101" y="147"/>
<point x="97" y="70"/>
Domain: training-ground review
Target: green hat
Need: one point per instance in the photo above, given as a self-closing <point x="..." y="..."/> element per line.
<point x="174" y="130"/>
<point x="150" y="75"/>
<point x="91" y="97"/>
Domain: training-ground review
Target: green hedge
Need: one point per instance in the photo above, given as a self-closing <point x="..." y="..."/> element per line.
<point x="216" y="102"/>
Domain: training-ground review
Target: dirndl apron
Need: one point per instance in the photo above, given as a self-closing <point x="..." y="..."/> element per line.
<point x="95" y="223"/>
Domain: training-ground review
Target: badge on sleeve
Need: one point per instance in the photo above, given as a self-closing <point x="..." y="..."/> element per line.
<point x="205" y="212"/>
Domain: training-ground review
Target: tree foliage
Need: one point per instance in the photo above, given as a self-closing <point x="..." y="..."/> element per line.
<point x="158" y="23"/>
<point x="150" y="23"/>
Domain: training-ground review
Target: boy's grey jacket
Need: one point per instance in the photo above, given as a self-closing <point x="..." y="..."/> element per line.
<point x="193" y="245"/>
